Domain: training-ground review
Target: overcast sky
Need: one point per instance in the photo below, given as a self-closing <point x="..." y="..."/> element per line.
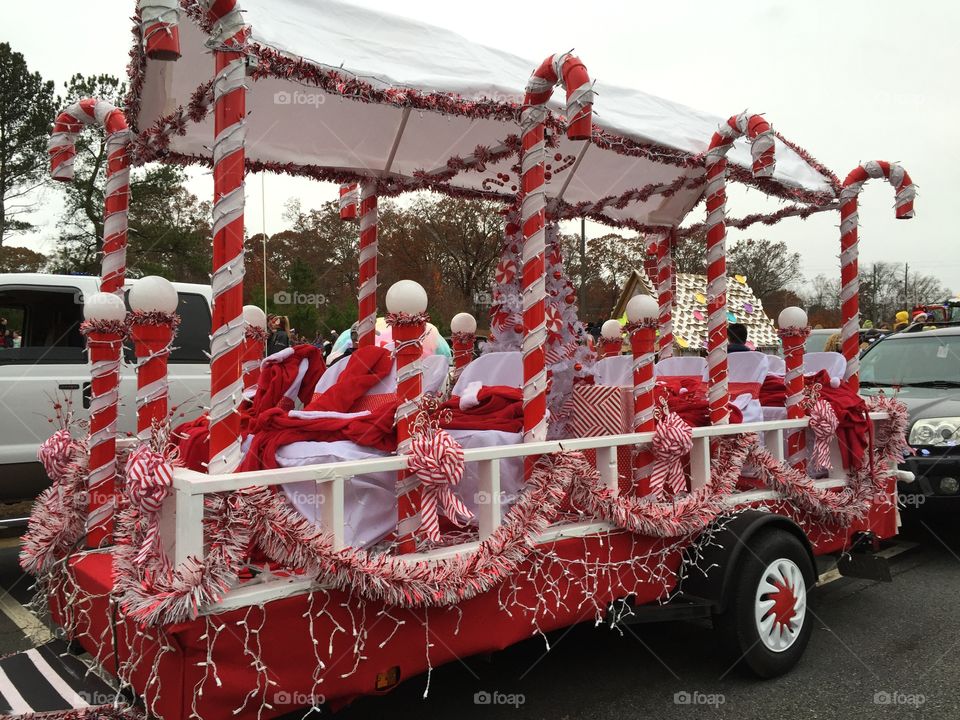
<point x="849" y="81"/>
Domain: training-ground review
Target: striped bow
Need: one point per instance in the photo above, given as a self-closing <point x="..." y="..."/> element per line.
<point x="438" y="461"/>
<point x="823" y="423"/>
<point x="55" y="454"/>
<point x="672" y="441"/>
<point x="149" y="480"/>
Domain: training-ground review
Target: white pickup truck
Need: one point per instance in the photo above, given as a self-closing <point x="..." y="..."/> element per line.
<point x="45" y="311"/>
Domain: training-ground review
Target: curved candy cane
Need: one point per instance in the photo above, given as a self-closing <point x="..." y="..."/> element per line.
<point x="158" y="27"/>
<point x="348" y="201"/>
<point x="849" y="271"/>
<point x="568" y="69"/>
<point x="226" y="385"/>
<point x="760" y="134"/>
<point x="664" y="282"/>
<point x="62" y="150"/>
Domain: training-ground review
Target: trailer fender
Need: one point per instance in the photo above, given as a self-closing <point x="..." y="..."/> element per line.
<point x="710" y="564"/>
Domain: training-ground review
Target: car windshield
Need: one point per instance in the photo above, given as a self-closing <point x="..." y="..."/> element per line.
<point x="909" y="360"/>
<point x="817" y="340"/>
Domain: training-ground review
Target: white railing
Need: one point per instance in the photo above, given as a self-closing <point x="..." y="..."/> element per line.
<point x="182" y="515"/>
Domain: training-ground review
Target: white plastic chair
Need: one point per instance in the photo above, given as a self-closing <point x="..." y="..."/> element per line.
<point x="616" y="371"/>
<point x="688" y="366"/>
<point x="747" y="367"/>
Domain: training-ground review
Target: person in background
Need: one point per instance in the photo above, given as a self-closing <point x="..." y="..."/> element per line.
<point x="348" y="350"/>
<point x="279" y="336"/>
<point x="901" y="320"/>
<point x="834" y="344"/>
<point x="737" y="338"/>
<point x="16" y="339"/>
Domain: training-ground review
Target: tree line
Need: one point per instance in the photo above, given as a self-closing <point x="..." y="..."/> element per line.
<point x="451" y="246"/>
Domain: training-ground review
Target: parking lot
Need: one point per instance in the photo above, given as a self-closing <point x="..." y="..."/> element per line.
<point x="878" y="650"/>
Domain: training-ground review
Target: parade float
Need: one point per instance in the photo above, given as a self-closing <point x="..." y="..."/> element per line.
<point x="352" y="527"/>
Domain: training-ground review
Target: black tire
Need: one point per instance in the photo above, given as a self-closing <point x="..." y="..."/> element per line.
<point x="772" y="554"/>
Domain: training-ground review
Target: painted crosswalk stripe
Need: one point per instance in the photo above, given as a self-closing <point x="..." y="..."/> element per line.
<point x="57" y="682"/>
<point x="18" y="706"/>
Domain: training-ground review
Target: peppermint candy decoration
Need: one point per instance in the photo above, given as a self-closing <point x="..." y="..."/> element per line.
<point x="554" y="321"/>
<point x="672" y="440"/>
<point x="823" y="423"/>
<point x="506" y="272"/>
<point x="437" y="459"/>
<point x="55" y="454"/>
<point x="149" y="479"/>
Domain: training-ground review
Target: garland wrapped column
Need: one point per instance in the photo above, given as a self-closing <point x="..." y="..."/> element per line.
<point x="664" y="282"/>
<point x="226" y="386"/>
<point x="367" y="294"/>
<point x="158" y="27"/>
<point x="794" y="332"/>
<point x="104" y="327"/>
<point x="611" y="339"/>
<point x="153" y="322"/>
<point x="849" y="271"/>
<point x="254" y="347"/>
<point x="642" y="313"/>
<point x="760" y="134"/>
<point x="463" y="328"/>
<point x="348" y="201"/>
<point x="568" y="69"/>
<point x="406" y="314"/>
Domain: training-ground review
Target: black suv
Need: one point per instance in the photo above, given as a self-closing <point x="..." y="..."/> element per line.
<point x="922" y="369"/>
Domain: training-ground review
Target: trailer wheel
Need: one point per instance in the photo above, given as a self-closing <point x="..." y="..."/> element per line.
<point x="765" y="627"/>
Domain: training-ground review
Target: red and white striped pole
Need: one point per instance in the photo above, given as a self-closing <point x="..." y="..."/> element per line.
<point x="568" y="69"/>
<point x="760" y="134"/>
<point x="367" y="296"/>
<point x="254" y="347"/>
<point x="158" y="27"/>
<point x="348" y="201"/>
<point x="463" y="329"/>
<point x="62" y="150"/>
<point x="104" y="327"/>
<point x="793" y="332"/>
<point x="407" y="314"/>
<point x="642" y="311"/>
<point x="153" y="322"/>
<point x="849" y="270"/>
<point x="611" y="339"/>
<point x="664" y="281"/>
<point x="230" y="92"/>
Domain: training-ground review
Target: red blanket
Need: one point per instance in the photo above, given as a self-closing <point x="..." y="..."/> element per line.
<point x="500" y="408"/>
<point x="687" y="397"/>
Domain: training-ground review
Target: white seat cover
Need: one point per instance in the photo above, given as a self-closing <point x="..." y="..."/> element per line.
<point x="614" y="371"/>
<point x="747" y="367"/>
<point x="776" y="365"/>
<point x="496" y="368"/>
<point x="691" y="366"/>
<point x="435" y="370"/>
<point x="833" y="362"/>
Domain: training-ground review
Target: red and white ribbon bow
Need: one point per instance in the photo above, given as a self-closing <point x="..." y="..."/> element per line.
<point x="149" y="480"/>
<point x="437" y="459"/>
<point x="672" y="440"/>
<point x="55" y="453"/>
<point x="823" y="423"/>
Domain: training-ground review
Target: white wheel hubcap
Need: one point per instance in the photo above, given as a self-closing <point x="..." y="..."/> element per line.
<point x="781" y="604"/>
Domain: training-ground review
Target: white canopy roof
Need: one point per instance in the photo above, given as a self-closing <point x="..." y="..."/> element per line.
<point x="294" y="122"/>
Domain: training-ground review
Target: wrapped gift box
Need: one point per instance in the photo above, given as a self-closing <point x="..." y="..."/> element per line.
<point x="601" y="410"/>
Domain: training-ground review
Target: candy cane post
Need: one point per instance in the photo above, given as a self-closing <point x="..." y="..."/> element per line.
<point x="611" y="338"/>
<point x="793" y="332"/>
<point x="642" y="312"/>
<point x="158" y="28"/>
<point x="849" y="271"/>
<point x="348" y="201"/>
<point x="116" y="201"/>
<point x="407" y="315"/>
<point x="153" y="321"/>
<point x="463" y="327"/>
<point x="665" y="281"/>
<point x="230" y="92"/>
<point x="568" y="69"/>
<point x="254" y="347"/>
<point x="367" y="296"/>
<point x="760" y="135"/>
<point x="104" y="327"/>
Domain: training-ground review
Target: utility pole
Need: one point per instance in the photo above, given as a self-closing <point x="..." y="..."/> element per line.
<point x="906" y="286"/>
<point x="583" y="266"/>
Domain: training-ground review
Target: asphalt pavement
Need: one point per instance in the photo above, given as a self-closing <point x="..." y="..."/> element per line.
<point x="878" y="650"/>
